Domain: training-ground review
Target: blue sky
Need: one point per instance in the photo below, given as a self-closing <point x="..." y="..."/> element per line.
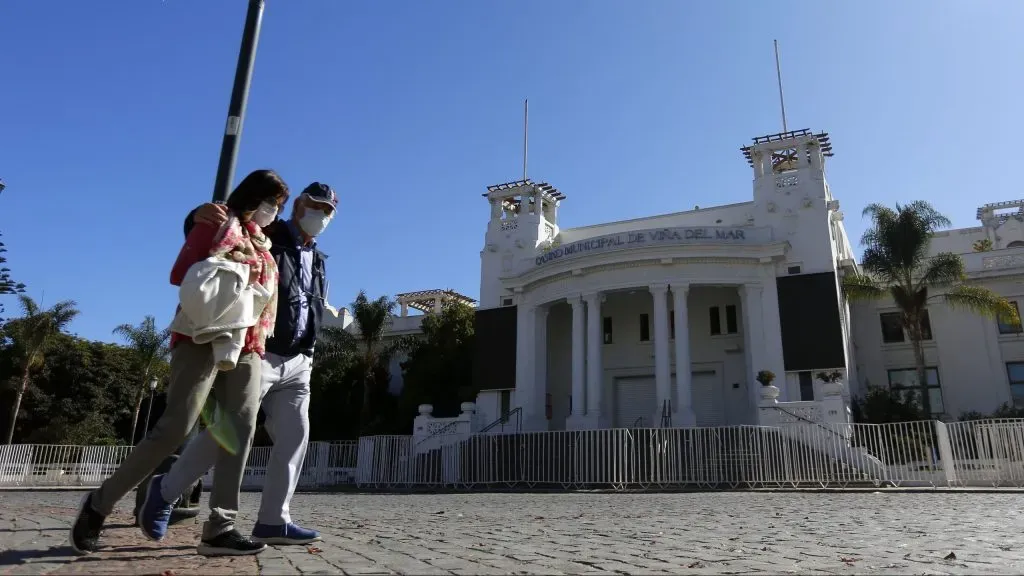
<point x="111" y="115"/>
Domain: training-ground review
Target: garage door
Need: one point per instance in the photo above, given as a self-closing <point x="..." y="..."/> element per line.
<point x="635" y="398"/>
<point x="709" y="398"/>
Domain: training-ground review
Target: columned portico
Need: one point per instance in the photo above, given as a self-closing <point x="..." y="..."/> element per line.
<point x="662" y="371"/>
<point x="594" y="372"/>
<point x="578" y="408"/>
<point x="536" y="419"/>
<point x="754" y="340"/>
<point x="684" y="416"/>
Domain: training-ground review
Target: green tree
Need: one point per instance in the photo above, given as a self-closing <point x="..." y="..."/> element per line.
<point x="81" y="394"/>
<point x="150" y="348"/>
<point x="31" y="336"/>
<point x="439" y="369"/>
<point x="373" y="356"/>
<point x="335" y="386"/>
<point x="896" y="264"/>
<point x="7" y="284"/>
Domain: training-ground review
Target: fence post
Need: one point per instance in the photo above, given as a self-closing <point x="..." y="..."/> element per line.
<point x="945" y="452"/>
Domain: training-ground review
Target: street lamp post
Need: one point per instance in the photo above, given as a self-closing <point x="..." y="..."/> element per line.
<point x="239" y="97"/>
<point x="152" y="390"/>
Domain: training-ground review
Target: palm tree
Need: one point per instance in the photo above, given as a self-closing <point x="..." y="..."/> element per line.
<point x="373" y="319"/>
<point x="149" y="346"/>
<point x="31" y="335"/>
<point x="896" y="264"/>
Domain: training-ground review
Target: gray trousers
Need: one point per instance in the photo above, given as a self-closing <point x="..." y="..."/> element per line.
<point x="285" y="399"/>
<point x="193" y="375"/>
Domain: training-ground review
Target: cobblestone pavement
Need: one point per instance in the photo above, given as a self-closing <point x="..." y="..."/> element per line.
<point x="704" y="533"/>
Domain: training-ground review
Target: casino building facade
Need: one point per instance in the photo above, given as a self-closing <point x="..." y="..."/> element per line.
<point x="666" y="320"/>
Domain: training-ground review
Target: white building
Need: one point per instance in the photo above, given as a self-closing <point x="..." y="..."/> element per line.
<point x="593" y="314"/>
<point x="578" y="328"/>
<point x="974" y="363"/>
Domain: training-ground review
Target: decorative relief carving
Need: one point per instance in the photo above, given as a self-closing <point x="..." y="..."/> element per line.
<point x="789" y="414"/>
<point x="786" y="180"/>
<point x="1002" y="261"/>
<point x="507" y="225"/>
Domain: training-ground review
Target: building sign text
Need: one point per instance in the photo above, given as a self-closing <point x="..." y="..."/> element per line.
<point x="659" y="237"/>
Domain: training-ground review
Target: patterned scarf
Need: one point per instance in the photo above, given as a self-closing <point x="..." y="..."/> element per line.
<point x="246" y="244"/>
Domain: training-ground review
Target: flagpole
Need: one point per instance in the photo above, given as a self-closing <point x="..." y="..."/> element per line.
<point x="778" y="75"/>
<point x="526" y="132"/>
<point x="239" y="97"/>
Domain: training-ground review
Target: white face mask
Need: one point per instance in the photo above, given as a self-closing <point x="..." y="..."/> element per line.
<point x="313" y="222"/>
<point x="265" y="214"/>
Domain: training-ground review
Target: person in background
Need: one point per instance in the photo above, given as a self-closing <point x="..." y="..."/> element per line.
<point x="231" y="366"/>
<point x="286" y="371"/>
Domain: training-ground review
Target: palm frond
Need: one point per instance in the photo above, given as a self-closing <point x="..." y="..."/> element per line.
<point x="981" y="301"/>
<point x="942" y="270"/>
<point x="862" y="287"/>
<point x="28" y="305"/>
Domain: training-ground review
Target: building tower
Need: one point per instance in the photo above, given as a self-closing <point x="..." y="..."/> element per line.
<point x="524" y="218"/>
<point x="792" y="196"/>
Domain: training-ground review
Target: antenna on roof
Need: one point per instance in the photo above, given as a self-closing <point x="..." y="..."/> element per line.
<point x="526" y="132"/>
<point x="778" y="75"/>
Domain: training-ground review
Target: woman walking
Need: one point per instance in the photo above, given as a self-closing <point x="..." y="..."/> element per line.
<point x="228" y="304"/>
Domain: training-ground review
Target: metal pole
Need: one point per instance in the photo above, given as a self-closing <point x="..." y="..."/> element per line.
<point x="145" y="431"/>
<point x="778" y="76"/>
<point x="239" y="97"/>
<point x="526" y="132"/>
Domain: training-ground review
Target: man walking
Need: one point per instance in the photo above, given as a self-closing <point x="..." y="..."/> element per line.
<point x="285" y="380"/>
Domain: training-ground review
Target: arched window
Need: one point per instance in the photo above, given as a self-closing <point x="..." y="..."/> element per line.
<point x="1015" y="244"/>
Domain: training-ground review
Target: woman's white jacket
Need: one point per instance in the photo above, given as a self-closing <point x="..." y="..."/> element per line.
<point x="218" y="305"/>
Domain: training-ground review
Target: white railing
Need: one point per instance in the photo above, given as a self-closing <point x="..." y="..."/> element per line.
<point x="983" y="453"/>
<point x="42" y="465"/>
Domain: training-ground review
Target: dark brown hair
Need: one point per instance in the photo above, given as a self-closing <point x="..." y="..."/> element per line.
<point x="254" y="189"/>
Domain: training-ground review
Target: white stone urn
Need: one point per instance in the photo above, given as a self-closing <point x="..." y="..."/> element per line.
<point x="769" y="393"/>
<point x="468" y="407"/>
<point x="426" y="409"/>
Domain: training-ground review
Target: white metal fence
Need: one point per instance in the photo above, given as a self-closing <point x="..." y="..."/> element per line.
<point x="983" y="453"/>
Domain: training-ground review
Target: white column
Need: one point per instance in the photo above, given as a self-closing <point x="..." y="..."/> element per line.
<point x="579" y="375"/>
<point x="594" y="343"/>
<point x="525" y="369"/>
<point x="773" y="358"/>
<point x="684" y="394"/>
<point x="537" y="418"/>
<point x="662" y="373"/>
<point x="754" y="339"/>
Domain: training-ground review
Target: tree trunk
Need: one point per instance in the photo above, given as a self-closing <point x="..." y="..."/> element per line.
<point x="17" y="405"/>
<point x="135" y="417"/>
<point x="916" y="339"/>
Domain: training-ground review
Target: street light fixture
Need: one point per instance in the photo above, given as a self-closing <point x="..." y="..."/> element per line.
<point x="152" y="389"/>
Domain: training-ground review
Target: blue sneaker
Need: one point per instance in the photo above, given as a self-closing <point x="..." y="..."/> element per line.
<point x="155" y="513"/>
<point x="284" y="534"/>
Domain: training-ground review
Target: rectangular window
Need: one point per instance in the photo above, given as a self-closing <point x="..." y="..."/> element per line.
<point x="730" y="320"/>
<point x="806" y="387"/>
<point x="645" y="328"/>
<point x="892" y="327"/>
<point x="1007" y="328"/>
<point x="672" y="325"/>
<point x="1015" y="370"/>
<point x="716" y="321"/>
<point x="607" y="329"/>
<point x="905" y="379"/>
